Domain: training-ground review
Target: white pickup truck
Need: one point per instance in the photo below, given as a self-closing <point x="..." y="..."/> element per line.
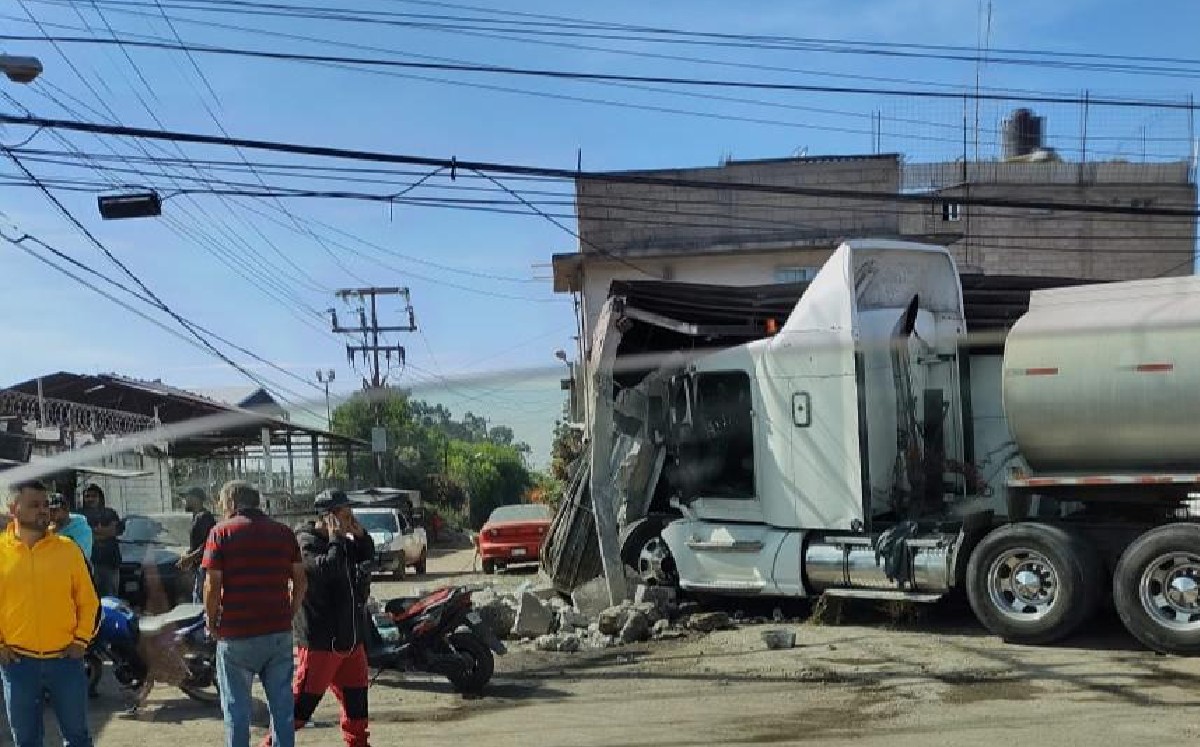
<point x="398" y="542"/>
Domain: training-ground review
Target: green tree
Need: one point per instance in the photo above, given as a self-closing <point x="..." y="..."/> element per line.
<point x="566" y="448"/>
<point x="459" y="465"/>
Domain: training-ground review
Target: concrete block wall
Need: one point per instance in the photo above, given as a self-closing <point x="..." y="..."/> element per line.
<point x="629" y="219"/>
<point x="1058" y="243"/>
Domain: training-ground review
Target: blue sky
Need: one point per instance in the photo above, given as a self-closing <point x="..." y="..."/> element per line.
<point x="479" y="280"/>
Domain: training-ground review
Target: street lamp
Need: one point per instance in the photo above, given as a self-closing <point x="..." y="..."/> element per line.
<point x="20" y="69"/>
<point x="326" y="378"/>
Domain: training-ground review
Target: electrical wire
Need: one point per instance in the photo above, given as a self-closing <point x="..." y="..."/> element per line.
<point x="19" y="242"/>
<point x="453" y="164"/>
<point x="577" y="29"/>
<point x="548" y="73"/>
<point x="648" y="107"/>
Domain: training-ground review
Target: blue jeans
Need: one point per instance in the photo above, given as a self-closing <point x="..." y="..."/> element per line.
<point x="25" y="683"/>
<point x="198" y="587"/>
<point x="270" y="658"/>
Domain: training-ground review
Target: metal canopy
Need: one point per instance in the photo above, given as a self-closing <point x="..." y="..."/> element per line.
<point x="153" y="399"/>
<point x="992" y="302"/>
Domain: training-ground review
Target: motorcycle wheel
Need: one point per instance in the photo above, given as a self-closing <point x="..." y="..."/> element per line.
<point x="478" y="663"/>
<point x="206" y="695"/>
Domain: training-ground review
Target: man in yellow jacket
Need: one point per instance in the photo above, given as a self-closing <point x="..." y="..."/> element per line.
<point x="48" y="616"/>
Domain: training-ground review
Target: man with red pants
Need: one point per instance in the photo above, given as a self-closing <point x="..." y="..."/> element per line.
<point x="330" y="629"/>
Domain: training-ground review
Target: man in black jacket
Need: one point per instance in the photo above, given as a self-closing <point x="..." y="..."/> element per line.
<point x="331" y="628"/>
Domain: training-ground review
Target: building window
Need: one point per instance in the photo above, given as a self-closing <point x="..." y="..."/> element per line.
<point x="795" y="274"/>
<point x="951" y="211"/>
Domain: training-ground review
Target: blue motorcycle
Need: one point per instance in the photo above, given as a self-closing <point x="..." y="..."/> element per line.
<point x="173" y="648"/>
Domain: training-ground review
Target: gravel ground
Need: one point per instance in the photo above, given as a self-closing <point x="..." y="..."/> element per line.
<point x="873" y="679"/>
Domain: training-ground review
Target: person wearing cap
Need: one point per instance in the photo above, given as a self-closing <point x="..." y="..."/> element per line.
<point x="203" y="521"/>
<point x="331" y="629"/>
<point x="73" y="526"/>
<point x="106" y="527"/>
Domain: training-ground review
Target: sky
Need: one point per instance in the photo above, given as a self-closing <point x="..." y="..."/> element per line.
<point x="262" y="271"/>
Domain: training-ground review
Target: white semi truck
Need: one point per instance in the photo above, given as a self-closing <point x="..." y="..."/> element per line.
<point x="830" y="456"/>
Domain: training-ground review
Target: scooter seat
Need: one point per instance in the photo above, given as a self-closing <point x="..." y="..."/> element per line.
<point x="184" y="613"/>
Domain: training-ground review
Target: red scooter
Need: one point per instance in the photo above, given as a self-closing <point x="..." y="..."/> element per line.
<point x="440" y="633"/>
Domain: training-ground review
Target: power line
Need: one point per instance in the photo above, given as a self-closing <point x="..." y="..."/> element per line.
<point x="575" y="28"/>
<point x="629" y="105"/>
<point x="218" y="223"/>
<point x="585" y="76"/>
<point x="453" y="164"/>
<point x="625" y="203"/>
<point x="19" y="242"/>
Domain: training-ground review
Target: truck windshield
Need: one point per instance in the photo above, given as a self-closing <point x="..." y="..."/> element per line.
<point x="378" y="521"/>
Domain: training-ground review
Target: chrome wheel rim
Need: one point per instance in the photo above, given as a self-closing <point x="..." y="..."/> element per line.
<point x="1169" y="590"/>
<point x="1023" y="585"/>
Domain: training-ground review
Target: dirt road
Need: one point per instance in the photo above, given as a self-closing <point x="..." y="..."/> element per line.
<point x="942" y="682"/>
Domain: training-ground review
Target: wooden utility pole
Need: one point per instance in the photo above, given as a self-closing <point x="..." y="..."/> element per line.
<point x="375" y="354"/>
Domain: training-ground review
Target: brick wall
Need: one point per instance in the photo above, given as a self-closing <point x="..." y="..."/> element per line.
<point x="630" y="219"/>
<point x="1043" y="242"/>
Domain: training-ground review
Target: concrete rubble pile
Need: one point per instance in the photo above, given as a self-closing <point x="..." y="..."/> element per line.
<point x="541" y="617"/>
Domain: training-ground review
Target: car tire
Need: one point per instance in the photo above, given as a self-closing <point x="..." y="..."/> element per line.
<point x="489" y="567"/>
<point x="422" y="564"/>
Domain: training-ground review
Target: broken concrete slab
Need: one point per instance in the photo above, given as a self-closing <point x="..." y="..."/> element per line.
<point x="592" y="598"/>
<point x="499" y="613"/>
<point x="569" y="644"/>
<point x="533" y="617"/>
<point x="636" y="628"/>
<point x="650" y="610"/>
<point x="600" y="640"/>
<point x="611" y="620"/>
<point x="557" y="642"/>
<point x="707" y="622"/>
<point x="779" y="639"/>
<point x="571" y="619"/>
<point x="662" y="597"/>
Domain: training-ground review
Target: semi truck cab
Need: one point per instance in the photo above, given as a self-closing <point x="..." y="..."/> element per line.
<point x="862" y="449"/>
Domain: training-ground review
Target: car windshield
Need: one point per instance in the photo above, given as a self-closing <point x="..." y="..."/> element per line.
<point x="378" y="521"/>
<point x="141" y="529"/>
<point x="524" y="512"/>
<point x="165" y="529"/>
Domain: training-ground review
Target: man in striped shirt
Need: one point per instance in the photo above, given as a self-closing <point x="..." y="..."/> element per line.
<point x="254" y="583"/>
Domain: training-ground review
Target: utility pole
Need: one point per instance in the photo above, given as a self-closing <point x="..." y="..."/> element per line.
<point x="327" y="378"/>
<point x="376" y="355"/>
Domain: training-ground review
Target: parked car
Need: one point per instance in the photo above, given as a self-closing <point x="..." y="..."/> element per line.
<point x="151" y="546"/>
<point x="513" y="534"/>
<point x="398" y="542"/>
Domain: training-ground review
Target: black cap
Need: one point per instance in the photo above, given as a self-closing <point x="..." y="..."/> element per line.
<point x="197" y="493"/>
<point x="328" y="500"/>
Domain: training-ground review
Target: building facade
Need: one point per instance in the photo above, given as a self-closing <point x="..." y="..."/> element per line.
<point x="632" y="230"/>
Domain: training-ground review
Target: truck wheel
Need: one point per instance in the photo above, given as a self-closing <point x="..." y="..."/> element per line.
<point x="643" y="550"/>
<point x="422" y="564"/>
<point x="1033" y="583"/>
<point x="1156" y="589"/>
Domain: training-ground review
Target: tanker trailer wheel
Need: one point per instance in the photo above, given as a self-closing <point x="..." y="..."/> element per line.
<point x="1156" y="589"/>
<point x="1033" y="583"/>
